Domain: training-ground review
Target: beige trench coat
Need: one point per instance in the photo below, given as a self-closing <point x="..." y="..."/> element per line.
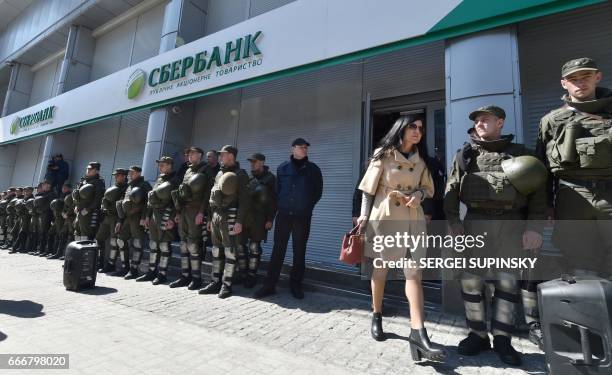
<point x="388" y="180"/>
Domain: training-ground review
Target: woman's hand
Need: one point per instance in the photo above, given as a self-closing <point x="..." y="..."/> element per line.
<point x="413" y="200"/>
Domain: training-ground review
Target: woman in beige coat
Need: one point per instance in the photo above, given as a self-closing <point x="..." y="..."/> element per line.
<point x="394" y="185"/>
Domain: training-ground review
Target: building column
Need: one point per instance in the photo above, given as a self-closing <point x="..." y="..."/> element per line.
<point x="481" y="69"/>
<point x="19" y="89"/>
<point x="17" y="98"/>
<point x="75" y="71"/>
<point x="76" y="65"/>
<point x="169" y="128"/>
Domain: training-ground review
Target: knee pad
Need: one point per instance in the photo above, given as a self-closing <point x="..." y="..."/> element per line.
<point x="113" y="241"/>
<point x="216" y="251"/>
<point x="230" y="253"/>
<point x="152" y="245"/>
<point x="507" y="283"/>
<point x="183" y="247"/>
<point x="137" y="243"/>
<point x="472" y="284"/>
<point x="120" y="243"/>
<point x="164" y="246"/>
<point x="254" y="248"/>
<point x="193" y="248"/>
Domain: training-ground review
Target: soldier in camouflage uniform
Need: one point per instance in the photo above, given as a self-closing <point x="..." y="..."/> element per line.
<point x="3" y="216"/>
<point x="575" y="143"/>
<point x="159" y="222"/>
<point x="42" y="205"/>
<point x="87" y="198"/>
<point x="132" y="211"/>
<point x="25" y="209"/>
<point x="106" y="231"/>
<point x="32" y="241"/>
<point x="262" y="189"/>
<point x="191" y="203"/>
<point x="57" y="207"/>
<point x="67" y="231"/>
<point x="59" y="210"/>
<point x="229" y="205"/>
<point x="497" y="205"/>
<point x="11" y="219"/>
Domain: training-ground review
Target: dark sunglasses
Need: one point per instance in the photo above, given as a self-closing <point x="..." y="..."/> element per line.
<point x="414" y="126"/>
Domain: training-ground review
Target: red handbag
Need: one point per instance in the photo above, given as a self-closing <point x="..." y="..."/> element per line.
<point x="352" y="247"/>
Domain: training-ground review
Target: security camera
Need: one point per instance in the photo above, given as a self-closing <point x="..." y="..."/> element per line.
<point x="176" y="109"/>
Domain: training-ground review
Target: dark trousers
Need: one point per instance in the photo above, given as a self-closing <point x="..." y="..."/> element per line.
<point x="298" y="227"/>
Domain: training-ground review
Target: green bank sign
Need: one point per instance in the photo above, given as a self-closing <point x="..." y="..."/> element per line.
<point x="241" y="54"/>
<point x="34" y="120"/>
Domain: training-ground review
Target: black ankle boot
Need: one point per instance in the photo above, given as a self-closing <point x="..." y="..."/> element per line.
<point x="474" y="344"/>
<point x="377" y="329"/>
<point x="420" y="346"/>
<point x="502" y="345"/>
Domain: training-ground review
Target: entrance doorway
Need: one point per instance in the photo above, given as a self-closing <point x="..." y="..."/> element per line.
<point x="382" y="115"/>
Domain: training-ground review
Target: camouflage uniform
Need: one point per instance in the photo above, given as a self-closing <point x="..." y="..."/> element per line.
<point x="131" y="210"/>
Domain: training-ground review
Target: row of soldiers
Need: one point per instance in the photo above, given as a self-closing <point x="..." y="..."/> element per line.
<point x="219" y="204"/>
<point x="36" y="220"/>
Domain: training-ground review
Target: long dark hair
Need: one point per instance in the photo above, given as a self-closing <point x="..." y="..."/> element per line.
<point x="393" y="139"/>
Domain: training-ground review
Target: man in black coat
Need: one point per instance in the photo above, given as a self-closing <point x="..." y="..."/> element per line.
<point x="299" y="187"/>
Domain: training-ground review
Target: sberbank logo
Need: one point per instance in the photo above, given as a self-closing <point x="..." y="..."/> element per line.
<point x="135" y="83"/>
<point x="233" y="56"/>
<point x="15" y="125"/>
<point x="39" y="118"/>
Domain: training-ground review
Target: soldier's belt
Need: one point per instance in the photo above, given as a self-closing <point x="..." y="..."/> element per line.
<point x="506" y="207"/>
<point x="590" y="184"/>
<point x="222" y="210"/>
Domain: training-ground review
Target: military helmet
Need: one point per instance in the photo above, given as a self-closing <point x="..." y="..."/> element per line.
<point x="20" y="206"/>
<point x="112" y="194"/>
<point x="86" y="192"/>
<point x="69" y="199"/>
<point x="75" y="195"/>
<point x="163" y="191"/>
<point x="29" y="204"/>
<point x="127" y="206"/>
<point x="197" y="183"/>
<point x="526" y="173"/>
<point x="185" y="192"/>
<point x="137" y="195"/>
<point x="3" y="204"/>
<point x="228" y="183"/>
<point x="40" y="203"/>
<point x="57" y="205"/>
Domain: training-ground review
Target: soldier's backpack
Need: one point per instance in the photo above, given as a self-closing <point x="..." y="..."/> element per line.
<point x="576" y="318"/>
<point x="80" y="263"/>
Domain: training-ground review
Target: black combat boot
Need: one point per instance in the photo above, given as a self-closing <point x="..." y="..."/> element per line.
<point x="149" y="276"/>
<point x="159" y="279"/>
<point x="503" y="347"/>
<point x="180" y="282"/>
<point x="195" y="284"/>
<point x="377" y="330"/>
<point x="213" y="287"/>
<point x="132" y="274"/>
<point x="226" y="291"/>
<point x="107" y="268"/>
<point x="473" y="345"/>
<point x="250" y="281"/>
<point x="121" y="273"/>
<point x="420" y="347"/>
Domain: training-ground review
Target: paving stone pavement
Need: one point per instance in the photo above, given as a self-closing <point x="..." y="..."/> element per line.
<point x="125" y="327"/>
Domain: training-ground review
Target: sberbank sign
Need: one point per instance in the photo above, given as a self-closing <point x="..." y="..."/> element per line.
<point x="35" y="119"/>
<point x="241" y="54"/>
